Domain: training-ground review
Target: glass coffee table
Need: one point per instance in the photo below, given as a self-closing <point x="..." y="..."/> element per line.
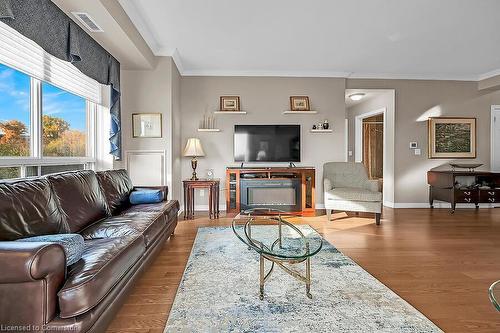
<point x="283" y="245"/>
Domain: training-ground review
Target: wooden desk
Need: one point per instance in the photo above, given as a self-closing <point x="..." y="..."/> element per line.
<point x="444" y="186"/>
<point x="213" y="196"/>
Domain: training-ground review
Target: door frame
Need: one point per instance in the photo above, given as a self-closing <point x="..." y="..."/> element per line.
<point x="493" y="157"/>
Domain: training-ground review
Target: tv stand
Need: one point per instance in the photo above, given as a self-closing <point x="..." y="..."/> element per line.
<point x="285" y="188"/>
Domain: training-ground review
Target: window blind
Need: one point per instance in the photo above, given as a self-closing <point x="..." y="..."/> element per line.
<point x="26" y="56"/>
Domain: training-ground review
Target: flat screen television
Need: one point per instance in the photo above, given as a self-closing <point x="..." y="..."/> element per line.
<point x="267" y="143"/>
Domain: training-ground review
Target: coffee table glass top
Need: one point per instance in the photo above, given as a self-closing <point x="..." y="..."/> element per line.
<point x="494" y="293"/>
<point x="285" y="241"/>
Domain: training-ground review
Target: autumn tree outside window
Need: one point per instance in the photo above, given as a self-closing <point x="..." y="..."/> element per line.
<point x="41" y="124"/>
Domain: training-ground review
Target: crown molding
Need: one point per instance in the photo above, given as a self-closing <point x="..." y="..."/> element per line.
<point x="393" y="76"/>
<point x="178" y="62"/>
<point x="330" y="74"/>
<point x="488" y="75"/>
<point x="141" y="25"/>
<point x="261" y="73"/>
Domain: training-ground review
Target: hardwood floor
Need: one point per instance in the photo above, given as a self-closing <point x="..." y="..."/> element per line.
<point x="442" y="264"/>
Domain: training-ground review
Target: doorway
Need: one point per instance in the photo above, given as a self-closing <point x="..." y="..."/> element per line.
<point x="373" y="146"/>
<point x="369" y="142"/>
<point x="370" y="115"/>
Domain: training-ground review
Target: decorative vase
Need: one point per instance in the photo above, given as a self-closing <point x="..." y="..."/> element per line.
<point x="326" y="125"/>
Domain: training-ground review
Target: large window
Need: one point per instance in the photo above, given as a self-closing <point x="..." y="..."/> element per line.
<point x="64" y="123"/>
<point x="43" y="128"/>
<point x="15" y="113"/>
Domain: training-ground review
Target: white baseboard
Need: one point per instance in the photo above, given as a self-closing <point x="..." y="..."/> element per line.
<point x="439" y="204"/>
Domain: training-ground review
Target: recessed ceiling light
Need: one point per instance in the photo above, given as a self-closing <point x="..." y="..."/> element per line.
<point x="357" y="96"/>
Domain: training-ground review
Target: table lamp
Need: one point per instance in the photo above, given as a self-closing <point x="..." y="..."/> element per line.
<point x="193" y="149"/>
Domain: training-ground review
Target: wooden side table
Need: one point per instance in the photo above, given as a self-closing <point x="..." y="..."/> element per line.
<point x="213" y="196"/>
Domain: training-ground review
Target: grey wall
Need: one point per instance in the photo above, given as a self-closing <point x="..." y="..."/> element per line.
<point x="184" y="100"/>
<point x="265" y="99"/>
<point x="176" y="130"/>
<point x="154" y="91"/>
<point x="416" y="100"/>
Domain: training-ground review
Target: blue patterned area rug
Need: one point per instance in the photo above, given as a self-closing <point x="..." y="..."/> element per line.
<point x="219" y="292"/>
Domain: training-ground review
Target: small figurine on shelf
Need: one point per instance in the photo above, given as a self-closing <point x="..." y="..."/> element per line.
<point x="326" y="125"/>
<point x="314" y="127"/>
<point x="320" y="125"/>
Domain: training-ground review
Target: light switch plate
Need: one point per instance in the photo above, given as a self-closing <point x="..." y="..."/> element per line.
<point x="418" y="151"/>
<point x="350" y="153"/>
<point x="413" y="145"/>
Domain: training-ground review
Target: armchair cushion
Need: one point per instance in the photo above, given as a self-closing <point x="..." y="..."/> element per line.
<point x="353" y="194"/>
<point x="373" y="185"/>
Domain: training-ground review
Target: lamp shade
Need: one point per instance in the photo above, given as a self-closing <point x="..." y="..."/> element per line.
<point x="193" y="148"/>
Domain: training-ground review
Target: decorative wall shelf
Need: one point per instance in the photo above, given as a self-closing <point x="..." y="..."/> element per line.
<point x="321" y="131"/>
<point x="208" y="129"/>
<point x="300" y="112"/>
<point x="230" y="112"/>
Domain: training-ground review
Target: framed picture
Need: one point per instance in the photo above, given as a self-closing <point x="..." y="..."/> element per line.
<point x="230" y="103"/>
<point x="452" y="137"/>
<point x="146" y="125"/>
<point x="299" y="103"/>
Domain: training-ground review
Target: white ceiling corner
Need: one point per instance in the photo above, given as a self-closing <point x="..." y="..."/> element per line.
<point x="385" y="39"/>
<point x="135" y="15"/>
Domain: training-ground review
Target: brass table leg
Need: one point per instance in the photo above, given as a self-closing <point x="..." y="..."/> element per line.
<point x="308" y="277"/>
<point x="261" y="277"/>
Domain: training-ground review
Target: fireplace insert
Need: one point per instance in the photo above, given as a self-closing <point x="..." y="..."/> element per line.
<point x="283" y="194"/>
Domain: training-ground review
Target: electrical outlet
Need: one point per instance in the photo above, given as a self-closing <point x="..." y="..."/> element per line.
<point x="418" y="151"/>
<point x="413" y="145"/>
<point x="202" y="193"/>
<point x="350" y="152"/>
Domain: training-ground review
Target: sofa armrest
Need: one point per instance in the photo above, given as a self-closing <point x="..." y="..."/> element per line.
<point x="32" y="274"/>
<point x="164" y="189"/>
<point x="372" y="185"/>
<point x="327" y="184"/>
<point x="30" y="261"/>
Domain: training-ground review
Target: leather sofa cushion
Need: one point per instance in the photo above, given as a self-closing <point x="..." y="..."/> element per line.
<point x="116" y="186"/>
<point x="29" y="208"/>
<point x="80" y="198"/>
<point x="104" y="262"/>
<point x="168" y="208"/>
<point x="353" y="194"/>
<point x="149" y="225"/>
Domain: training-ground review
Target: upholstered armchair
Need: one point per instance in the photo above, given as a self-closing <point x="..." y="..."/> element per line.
<point x="347" y="188"/>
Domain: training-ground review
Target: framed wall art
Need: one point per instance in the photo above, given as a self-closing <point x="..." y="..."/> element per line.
<point x="452" y="137"/>
<point x="229" y="103"/>
<point x="147" y="125"/>
<point x="299" y="103"/>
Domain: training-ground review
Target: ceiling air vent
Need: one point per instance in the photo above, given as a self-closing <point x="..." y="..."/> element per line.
<point x="87" y="21"/>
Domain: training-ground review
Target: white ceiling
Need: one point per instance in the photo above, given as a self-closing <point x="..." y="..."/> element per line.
<point x="421" y="39"/>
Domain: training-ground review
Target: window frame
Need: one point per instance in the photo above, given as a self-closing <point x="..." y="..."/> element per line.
<point x="36" y="157"/>
<point x="24" y="55"/>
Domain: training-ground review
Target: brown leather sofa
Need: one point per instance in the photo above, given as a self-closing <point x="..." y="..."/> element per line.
<point x="37" y="290"/>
